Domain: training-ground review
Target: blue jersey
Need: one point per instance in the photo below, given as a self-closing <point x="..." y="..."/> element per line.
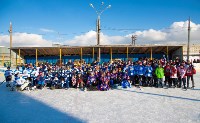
<point x="8" y="73"/>
<point x="91" y="79"/>
<point x="17" y="71"/>
<point x="148" y="71"/>
<point x="140" y="70"/>
<point x="68" y="73"/>
<point x="42" y="79"/>
<point x="131" y="70"/>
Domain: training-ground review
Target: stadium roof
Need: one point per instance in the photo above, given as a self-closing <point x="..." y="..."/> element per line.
<point x="105" y="49"/>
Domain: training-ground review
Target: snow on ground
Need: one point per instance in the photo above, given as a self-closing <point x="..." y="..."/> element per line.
<point x="151" y="105"/>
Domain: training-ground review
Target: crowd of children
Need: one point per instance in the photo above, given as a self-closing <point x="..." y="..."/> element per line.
<point x="95" y="76"/>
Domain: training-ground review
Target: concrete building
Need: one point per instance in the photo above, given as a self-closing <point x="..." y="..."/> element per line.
<point x="5" y="57"/>
<point x="194" y="52"/>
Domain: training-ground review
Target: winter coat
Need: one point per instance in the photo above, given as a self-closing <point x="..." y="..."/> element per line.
<point x="182" y="73"/>
<point x="173" y="72"/>
<point x="190" y="71"/>
<point x="159" y="72"/>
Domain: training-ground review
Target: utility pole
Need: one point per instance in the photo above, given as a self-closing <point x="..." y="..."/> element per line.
<point x="10" y="32"/>
<point x="188" y="45"/>
<point x="133" y="39"/>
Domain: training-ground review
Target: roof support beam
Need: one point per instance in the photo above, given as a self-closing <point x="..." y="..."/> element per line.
<point x="93" y="53"/>
<point x="111" y="54"/>
<point x="151" y="54"/>
<point x="127" y="52"/>
<point x="60" y="57"/>
<point x="167" y="53"/>
<point x="81" y="55"/>
<point x="19" y="57"/>
<point x="3" y="59"/>
<point x="36" y="57"/>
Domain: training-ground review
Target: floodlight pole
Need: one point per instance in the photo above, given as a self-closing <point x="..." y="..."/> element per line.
<point x="99" y="12"/>
<point x="98" y="30"/>
<point x="10" y="32"/>
<point x="98" y="39"/>
<point x="188" y="45"/>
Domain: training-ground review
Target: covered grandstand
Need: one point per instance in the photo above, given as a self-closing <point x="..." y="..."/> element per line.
<point x="90" y="53"/>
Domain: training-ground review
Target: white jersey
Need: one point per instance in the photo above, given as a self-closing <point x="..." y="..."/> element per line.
<point x="34" y="73"/>
<point x="17" y="72"/>
<point x="20" y="81"/>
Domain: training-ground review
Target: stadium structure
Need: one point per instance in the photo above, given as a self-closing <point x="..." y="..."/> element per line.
<point x="90" y="53"/>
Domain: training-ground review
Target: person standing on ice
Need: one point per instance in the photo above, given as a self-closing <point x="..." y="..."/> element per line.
<point x="189" y="73"/>
<point x="8" y="75"/>
<point x="173" y="75"/>
<point x="160" y="75"/>
<point x="67" y="76"/>
<point x="41" y="81"/>
<point x="148" y="75"/>
<point x="167" y="75"/>
<point x="182" y="75"/>
<point x="140" y="73"/>
<point x="132" y="73"/>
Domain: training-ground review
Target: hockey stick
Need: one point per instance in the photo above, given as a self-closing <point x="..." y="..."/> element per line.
<point x="2" y="82"/>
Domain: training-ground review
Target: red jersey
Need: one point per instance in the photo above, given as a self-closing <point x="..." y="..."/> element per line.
<point x="167" y="70"/>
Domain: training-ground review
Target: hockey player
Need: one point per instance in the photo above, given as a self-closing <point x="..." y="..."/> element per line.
<point x="80" y="83"/>
<point x="160" y="75"/>
<point x="104" y="82"/>
<point x="74" y="81"/>
<point x="67" y="76"/>
<point x="148" y="75"/>
<point x="34" y="75"/>
<point x="113" y="78"/>
<point x="41" y="81"/>
<point x="17" y="71"/>
<point x="173" y="75"/>
<point x="26" y="73"/>
<point x="167" y="75"/>
<point x="126" y="81"/>
<point x="54" y="82"/>
<point x="21" y="83"/>
<point x="8" y="75"/>
<point x="189" y="73"/>
<point x="91" y="82"/>
<point x="140" y="73"/>
<point x="132" y="73"/>
<point x="182" y="76"/>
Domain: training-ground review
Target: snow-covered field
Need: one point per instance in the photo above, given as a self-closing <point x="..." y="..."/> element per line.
<point x="151" y="105"/>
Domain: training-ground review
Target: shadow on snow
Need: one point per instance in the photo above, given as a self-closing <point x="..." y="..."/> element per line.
<point x="19" y="108"/>
<point x="162" y="95"/>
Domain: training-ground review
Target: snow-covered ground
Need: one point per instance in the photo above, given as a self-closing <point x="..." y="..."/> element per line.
<point x="151" y="105"/>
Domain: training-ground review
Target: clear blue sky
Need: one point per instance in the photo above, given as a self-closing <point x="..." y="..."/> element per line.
<point x="75" y="17"/>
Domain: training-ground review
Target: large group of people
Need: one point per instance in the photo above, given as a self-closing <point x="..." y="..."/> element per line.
<point x="158" y="73"/>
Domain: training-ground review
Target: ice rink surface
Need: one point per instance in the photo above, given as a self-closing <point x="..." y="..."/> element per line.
<point x="150" y="105"/>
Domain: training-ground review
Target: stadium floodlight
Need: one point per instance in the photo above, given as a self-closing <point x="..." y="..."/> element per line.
<point x="99" y="11"/>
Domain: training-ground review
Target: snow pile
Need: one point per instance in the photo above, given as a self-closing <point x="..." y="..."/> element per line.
<point x="114" y="106"/>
